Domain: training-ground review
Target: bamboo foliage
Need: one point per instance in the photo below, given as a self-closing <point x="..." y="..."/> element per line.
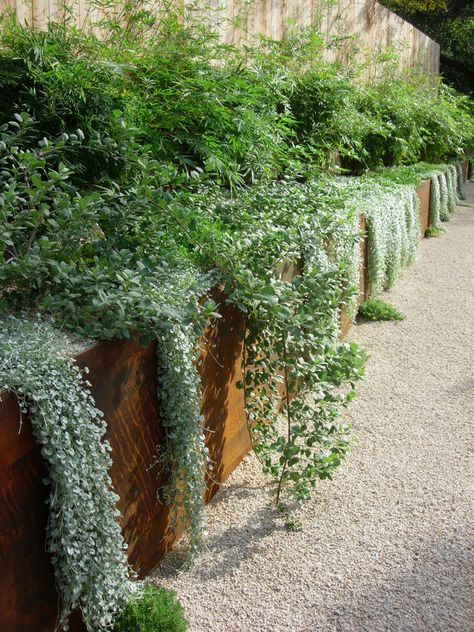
<point x="364" y="28"/>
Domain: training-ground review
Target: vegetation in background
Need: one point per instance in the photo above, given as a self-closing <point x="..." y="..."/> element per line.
<point x="376" y="309"/>
<point x="451" y="24"/>
<point x="211" y="112"/>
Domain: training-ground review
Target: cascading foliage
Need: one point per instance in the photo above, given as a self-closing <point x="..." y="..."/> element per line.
<point x="84" y="537"/>
<point x="296" y="373"/>
<point x="447" y="188"/>
<point x="184" y="456"/>
<point x="392" y="214"/>
<point x="447" y="185"/>
<point x="435" y="200"/>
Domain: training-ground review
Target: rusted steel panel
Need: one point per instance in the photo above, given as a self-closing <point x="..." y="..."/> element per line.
<point x="345" y="320"/>
<point x="123" y="377"/>
<point x="222" y="402"/>
<point x="27" y="590"/>
<point x="465" y="170"/>
<point x="423" y="192"/>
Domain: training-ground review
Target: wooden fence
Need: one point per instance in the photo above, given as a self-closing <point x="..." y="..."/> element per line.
<point x="364" y="28"/>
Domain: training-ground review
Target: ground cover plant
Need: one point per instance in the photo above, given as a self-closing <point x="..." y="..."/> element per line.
<point x="139" y="172"/>
<point x="154" y="610"/>
<point x="376" y="309"/>
<point x="432" y="231"/>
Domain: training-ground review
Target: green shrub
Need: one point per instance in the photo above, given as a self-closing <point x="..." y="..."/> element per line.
<point x="214" y="112"/>
<point x="60" y="78"/>
<point x="197" y="103"/>
<point x="375" y="309"/>
<point x="216" y="119"/>
<point x="448" y="126"/>
<point x="397" y="107"/>
<point x="154" y="610"/>
<point x="413" y="122"/>
<point x="434" y="231"/>
<point x="326" y="119"/>
<point x="398" y="175"/>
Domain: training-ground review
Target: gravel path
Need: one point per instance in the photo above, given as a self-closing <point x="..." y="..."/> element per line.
<point x="389" y="544"/>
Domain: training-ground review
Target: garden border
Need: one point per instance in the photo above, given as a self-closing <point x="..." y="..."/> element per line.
<point x="128" y="398"/>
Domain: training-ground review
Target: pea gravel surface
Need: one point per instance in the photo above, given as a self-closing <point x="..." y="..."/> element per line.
<point x="388" y="545"/>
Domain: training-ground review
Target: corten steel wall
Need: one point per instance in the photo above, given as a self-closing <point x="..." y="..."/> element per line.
<point x="365" y="25"/>
<point x="466" y="170"/>
<point x="124" y="385"/>
<point x="424" y="191"/>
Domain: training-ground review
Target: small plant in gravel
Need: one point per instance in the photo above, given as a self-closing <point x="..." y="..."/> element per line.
<point x="152" y="610"/>
<point x="434" y="231"/>
<point x="376" y="309"/>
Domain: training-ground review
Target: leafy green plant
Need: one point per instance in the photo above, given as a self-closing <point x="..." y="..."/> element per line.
<point x="58" y="77"/>
<point x="376" y="309"/>
<point x="434" y="231"/>
<point x="327" y="122"/>
<point x="102" y="263"/>
<point x="218" y="120"/>
<point x="448" y="126"/>
<point x="152" y="610"/>
<point x="291" y="327"/>
<point x="405" y="174"/>
<point x="392" y="215"/>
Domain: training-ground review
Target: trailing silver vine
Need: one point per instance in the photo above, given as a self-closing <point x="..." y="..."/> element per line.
<point x="460" y="180"/>
<point x="185" y="455"/>
<point x="435" y="201"/>
<point x="392" y="214"/>
<point x="84" y="537"/>
<point x="444" y="198"/>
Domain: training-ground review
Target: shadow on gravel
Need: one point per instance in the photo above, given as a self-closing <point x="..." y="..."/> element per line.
<point x="227" y="551"/>
<point x="235" y="492"/>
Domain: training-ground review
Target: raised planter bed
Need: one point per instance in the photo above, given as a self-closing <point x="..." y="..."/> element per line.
<point x="128" y="398"/>
<point x="124" y="385"/>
